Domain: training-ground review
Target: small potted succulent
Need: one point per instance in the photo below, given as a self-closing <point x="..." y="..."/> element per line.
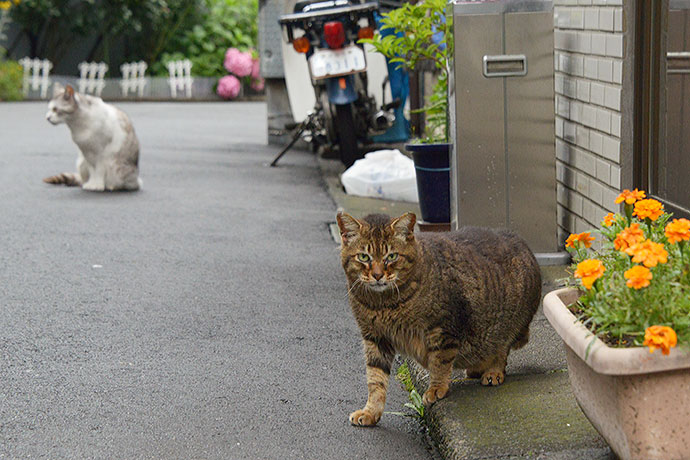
<point x="421" y="33"/>
<point x="630" y="298"/>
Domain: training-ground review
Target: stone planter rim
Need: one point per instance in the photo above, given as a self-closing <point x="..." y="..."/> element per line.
<point x="602" y="358"/>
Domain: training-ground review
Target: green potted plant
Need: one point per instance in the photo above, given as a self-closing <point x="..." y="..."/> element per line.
<point x="421" y="33"/>
<point x="631" y="293"/>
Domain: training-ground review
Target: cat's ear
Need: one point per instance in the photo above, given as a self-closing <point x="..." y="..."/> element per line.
<point x="69" y="93"/>
<point x="349" y="227"/>
<point x="58" y="89"/>
<point x="404" y="225"/>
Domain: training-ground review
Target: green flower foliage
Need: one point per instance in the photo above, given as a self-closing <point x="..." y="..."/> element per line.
<point x="414" y="26"/>
<point x="225" y="24"/>
<point x="613" y="309"/>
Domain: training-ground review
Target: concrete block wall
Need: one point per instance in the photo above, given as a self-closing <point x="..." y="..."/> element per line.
<point x="588" y="62"/>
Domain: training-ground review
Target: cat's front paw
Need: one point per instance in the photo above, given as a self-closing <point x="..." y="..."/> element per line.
<point x="434" y="393"/>
<point x="493" y="378"/>
<point x="93" y="187"/>
<point x="363" y="417"/>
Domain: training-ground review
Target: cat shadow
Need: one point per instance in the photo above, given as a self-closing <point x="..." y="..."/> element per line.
<point x="79" y="194"/>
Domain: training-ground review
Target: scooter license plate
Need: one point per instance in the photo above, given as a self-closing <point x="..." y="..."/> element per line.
<point x="326" y="63"/>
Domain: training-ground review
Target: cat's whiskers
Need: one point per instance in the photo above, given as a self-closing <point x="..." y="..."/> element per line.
<point x="395" y="285"/>
<point x="357" y="282"/>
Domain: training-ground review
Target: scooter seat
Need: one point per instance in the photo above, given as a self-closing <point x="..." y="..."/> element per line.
<point x="304" y="6"/>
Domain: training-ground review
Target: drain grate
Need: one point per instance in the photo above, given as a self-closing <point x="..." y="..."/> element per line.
<point x="334" y="231"/>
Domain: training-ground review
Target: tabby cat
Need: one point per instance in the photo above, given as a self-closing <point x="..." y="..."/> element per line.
<point x="465" y="297"/>
<point x="108" y="147"/>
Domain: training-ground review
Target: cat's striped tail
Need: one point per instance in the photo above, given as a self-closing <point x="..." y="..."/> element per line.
<point x="68" y="179"/>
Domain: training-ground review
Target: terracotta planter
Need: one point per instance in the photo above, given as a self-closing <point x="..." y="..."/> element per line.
<point x="638" y="401"/>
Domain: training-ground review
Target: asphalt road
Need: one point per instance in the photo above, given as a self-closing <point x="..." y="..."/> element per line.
<point x="204" y="317"/>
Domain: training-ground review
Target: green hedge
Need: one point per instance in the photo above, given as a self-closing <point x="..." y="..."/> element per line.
<point x="155" y="31"/>
<point x="11" y="75"/>
<point x="225" y="24"/>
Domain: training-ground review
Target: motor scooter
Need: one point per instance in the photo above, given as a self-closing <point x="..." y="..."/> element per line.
<point x="345" y="114"/>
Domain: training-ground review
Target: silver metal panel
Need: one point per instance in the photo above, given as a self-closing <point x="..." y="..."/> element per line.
<point x="552" y="258"/>
<point x="530" y="141"/>
<point x="452" y="119"/>
<point x="504" y="163"/>
<point x="479" y="197"/>
<point x="500" y="6"/>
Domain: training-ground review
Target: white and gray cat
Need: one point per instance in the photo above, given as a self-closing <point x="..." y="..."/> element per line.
<point x="108" y="147"/>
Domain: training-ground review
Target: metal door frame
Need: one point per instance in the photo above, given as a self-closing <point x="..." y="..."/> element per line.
<point x="649" y="124"/>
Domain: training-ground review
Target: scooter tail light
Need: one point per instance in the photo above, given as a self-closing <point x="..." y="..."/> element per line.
<point x="301" y="44"/>
<point x="334" y="33"/>
<point x="365" y="32"/>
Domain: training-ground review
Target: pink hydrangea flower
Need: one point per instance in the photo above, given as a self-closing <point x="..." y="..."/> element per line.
<point x="257" y="84"/>
<point x="228" y="87"/>
<point x="256" y="70"/>
<point x="237" y="62"/>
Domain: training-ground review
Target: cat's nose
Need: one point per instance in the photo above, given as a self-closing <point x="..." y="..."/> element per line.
<point x="377" y="276"/>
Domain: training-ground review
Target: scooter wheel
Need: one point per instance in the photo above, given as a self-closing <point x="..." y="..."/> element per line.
<point x="347" y="136"/>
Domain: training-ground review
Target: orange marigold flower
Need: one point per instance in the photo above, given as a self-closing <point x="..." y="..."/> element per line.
<point x="584" y="237"/>
<point x="638" y="277"/>
<point x="662" y="337"/>
<point x="589" y="271"/>
<point x="627" y="237"/>
<point x="648" y="253"/>
<point x="678" y="230"/>
<point x="648" y="208"/>
<point x="609" y="219"/>
<point x="630" y="197"/>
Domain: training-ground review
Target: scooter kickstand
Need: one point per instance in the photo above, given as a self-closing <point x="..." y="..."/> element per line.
<point x="300" y="129"/>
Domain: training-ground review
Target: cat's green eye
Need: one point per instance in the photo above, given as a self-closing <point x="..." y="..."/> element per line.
<point x="363" y="257"/>
<point x="392" y="257"/>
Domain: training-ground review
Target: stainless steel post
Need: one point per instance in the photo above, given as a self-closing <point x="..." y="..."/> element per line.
<point x="503" y="164"/>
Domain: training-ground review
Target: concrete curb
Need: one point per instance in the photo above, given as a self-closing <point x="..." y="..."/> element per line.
<point x="530" y="416"/>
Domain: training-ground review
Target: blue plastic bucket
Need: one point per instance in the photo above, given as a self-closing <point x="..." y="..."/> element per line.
<point x="432" y="168"/>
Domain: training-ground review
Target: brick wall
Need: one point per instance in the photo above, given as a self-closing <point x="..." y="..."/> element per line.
<point x="588" y="58"/>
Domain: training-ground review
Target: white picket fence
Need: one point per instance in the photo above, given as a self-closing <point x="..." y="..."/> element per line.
<point x="133" y="83"/>
<point x="133" y="78"/>
<point x="36" y="72"/>
<point x="180" y="77"/>
<point x="92" y="77"/>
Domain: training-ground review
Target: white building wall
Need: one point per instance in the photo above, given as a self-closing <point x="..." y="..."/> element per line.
<point x="588" y="62"/>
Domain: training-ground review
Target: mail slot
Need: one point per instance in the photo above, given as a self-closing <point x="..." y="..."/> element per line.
<point x="505" y="66"/>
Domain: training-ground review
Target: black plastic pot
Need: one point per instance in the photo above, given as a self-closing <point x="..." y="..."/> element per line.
<point x="432" y="167"/>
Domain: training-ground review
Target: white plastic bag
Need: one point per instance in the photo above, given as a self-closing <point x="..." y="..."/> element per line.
<point x="386" y="174"/>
